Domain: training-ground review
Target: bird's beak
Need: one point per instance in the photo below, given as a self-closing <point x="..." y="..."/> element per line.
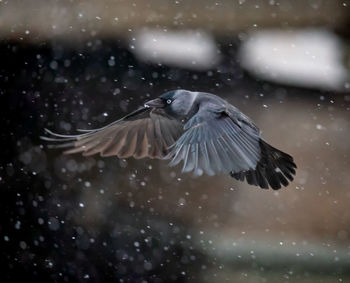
<point x="156" y="103"/>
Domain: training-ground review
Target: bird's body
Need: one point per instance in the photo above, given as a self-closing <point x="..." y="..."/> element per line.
<point x="203" y="130"/>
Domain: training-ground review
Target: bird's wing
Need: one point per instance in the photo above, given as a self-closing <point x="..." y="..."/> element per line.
<point x="143" y="133"/>
<point x="275" y="168"/>
<point x="216" y="141"/>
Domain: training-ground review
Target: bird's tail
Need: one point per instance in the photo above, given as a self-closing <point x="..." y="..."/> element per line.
<point x="275" y="168"/>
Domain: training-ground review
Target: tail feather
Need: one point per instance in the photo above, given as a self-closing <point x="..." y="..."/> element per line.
<point x="275" y="169"/>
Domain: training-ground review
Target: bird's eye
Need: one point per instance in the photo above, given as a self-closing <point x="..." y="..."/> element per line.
<point x="169" y="101"/>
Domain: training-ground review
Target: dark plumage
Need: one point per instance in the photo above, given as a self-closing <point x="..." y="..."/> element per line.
<point x="204" y="131"/>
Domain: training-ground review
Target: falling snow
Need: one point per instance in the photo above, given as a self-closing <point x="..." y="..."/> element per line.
<point x="73" y="67"/>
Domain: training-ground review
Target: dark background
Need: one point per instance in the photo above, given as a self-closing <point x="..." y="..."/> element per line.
<point x="76" y="219"/>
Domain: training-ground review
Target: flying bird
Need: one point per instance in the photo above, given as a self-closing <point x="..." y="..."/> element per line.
<point x="201" y="130"/>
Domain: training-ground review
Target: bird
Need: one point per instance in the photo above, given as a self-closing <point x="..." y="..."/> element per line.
<point x="202" y="131"/>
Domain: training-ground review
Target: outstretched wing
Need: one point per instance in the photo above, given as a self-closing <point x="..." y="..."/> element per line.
<point x="216" y="142"/>
<point x="143" y="133"/>
<point x="220" y="140"/>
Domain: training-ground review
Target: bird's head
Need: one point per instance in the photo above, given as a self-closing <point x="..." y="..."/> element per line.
<point x="176" y="102"/>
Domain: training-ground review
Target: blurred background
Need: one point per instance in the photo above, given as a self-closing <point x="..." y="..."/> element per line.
<point x="81" y="64"/>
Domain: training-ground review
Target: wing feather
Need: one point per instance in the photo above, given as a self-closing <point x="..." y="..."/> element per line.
<point x="143" y="133"/>
<point x="213" y="143"/>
